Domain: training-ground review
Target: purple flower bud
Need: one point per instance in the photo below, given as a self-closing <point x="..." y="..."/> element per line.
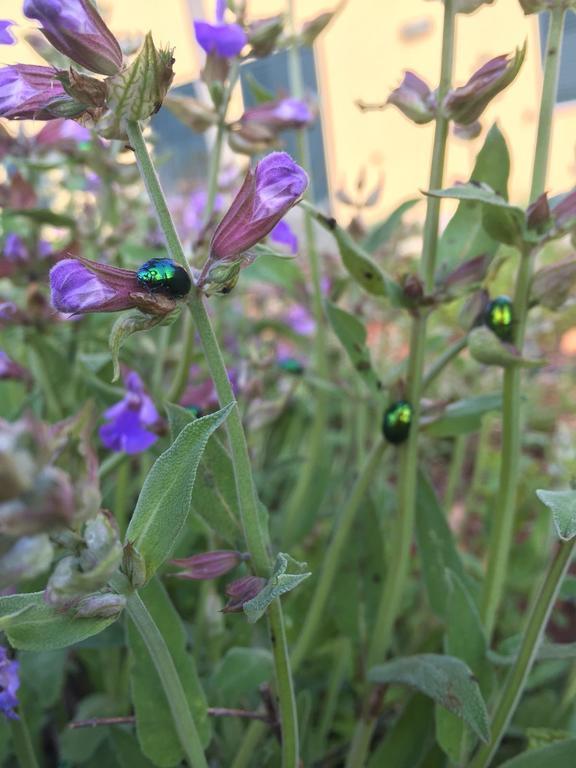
<point x="538" y="213"/>
<point x="564" y="212"/>
<point x="127" y="420"/>
<point x="242" y="590"/>
<point x="6" y="37"/>
<point x="224" y="40"/>
<point x="79" y="286"/>
<point x="414" y="98"/>
<point x="29" y="92"/>
<point x="464" y="105"/>
<point x="279" y="115"/>
<point x="284" y="234"/>
<point x="9" y="684"/>
<point x="208" y="565"/>
<point x="75" y="28"/>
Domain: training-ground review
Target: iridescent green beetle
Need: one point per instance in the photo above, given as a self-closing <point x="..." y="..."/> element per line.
<point x="397" y="421"/>
<point x="499" y="317"/>
<point x="165" y="277"/>
<point x="291" y="365"/>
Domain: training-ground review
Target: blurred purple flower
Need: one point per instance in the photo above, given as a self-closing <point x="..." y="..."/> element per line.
<point x="15" y="248"/>
<point x="564" y="212"/>
<point x="279" y="115"/>
<point x="10" y="313"/>
<point x="127" y="420"/>
<point x="300" y="320"/>
<point x="193" y="211"/>
<point x="9" y="684"/>
<point x="79" y="286"/>
<point x="284" y="234"/>
<point x="30" y="92"/>
<point x="225" y="40"/>
<point x="11" y="370"/>
<point x="62" y="133"/>
<point x="200" y="394"/>
<point x="75" y="28"/>
<point x="6" y="37"/>
<point x="414" y="98"/>
<point x="208" y="565"/>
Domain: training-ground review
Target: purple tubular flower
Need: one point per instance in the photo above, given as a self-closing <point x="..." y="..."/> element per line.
<point x="267" y="194"/>
<point x="9" y="684"/>
<point x="127" y="420"/>
<point x="225" y="40"/>
<point x="284" y="234"/>
<point x="29" y="92"/>
<point x="62" y="133"/>
<point x="75" y="28"/>
<point x="6" y="37"/>
<point x="300" y="320"/>
<point x="79" y="286"/>
<point x="414" y="98"/>
<point x="279" y="115"/>
<point x="208" y="565"/>
<point x="242" y="590"/>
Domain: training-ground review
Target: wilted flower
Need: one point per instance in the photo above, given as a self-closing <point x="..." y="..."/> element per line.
<point x="284" y="234"/>
<point x="30" y="92"/>
<point x="9" y="684"/>
<point x="414" y="98"/>
<point x="75" y="28"/>
<point x="464" y="105"/>
<point x="279" y="115"/>
<point x="267" y="194"/>
<point x="6" y="37"/>
<point x="224" y="40"/>
<point x="208" y="565"/>
<point x="128" y="420"/>
<point x="241" y="591"/>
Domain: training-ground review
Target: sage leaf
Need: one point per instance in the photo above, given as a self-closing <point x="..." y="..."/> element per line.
<point x="562" y="504"/>
<point x="278" y="584"/>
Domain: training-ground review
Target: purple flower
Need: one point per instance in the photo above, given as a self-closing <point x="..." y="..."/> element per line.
<point x="15" y="248"/>
<point x="208" y="565"/>
<point x="225" y="40"/>
<point x="464" y="105"/>
<point x="284" y="234"/>
<point x="414" y="98"/>
<point x="9" y="684"/>
<point x="6" y="37"/>
<point x="127" y="420"/>
<point x="192" y="215"/>
<point x="300" y="320"/>
<point x="75" y="28"/>
<point x="242" y="590"/>
<point x="62" y="133"/>
<point x="79" y="286"/>
<point x="279" y="115"/>
<point x="200" y="394"/>
<point x="29" y="92"/>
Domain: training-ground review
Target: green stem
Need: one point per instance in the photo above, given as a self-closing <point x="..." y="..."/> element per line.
<point x="168" y="674"/>
<point x="331" y="560"/>
<point x="535" y="626"/>
<point x="22" y="742"/>
<point x="503" y="520"/>
<point x="254" y="533"/>
<point x="445" y="358"/>
<point x="398" y="568"/>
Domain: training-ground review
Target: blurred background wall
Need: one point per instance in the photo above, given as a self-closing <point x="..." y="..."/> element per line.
<point x="362" y="55"/>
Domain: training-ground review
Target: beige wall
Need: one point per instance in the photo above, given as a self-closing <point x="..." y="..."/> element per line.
<point x="363" y="55"/>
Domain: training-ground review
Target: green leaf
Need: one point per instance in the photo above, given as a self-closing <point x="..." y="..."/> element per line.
<point x="124" y="327"/>
<point x="164" y="502"/>
<point x="352" y="335"/>
<point x="278" y="584"/>
<point x="78" y="745"/>
<point x="127" y="750"/>
<point x="382" y="232"/>
<point x="214" y="497"/>
<point x="40" y="627"/>
<point x="445" y="679"/>
<point x="463" y="416"/>
<point x="42" y="675"/>
<point x="436" y="545"/>
<point x="240" y="673"/>
<point x="409" y="738"/>
<point x="559" y="755"/>
<point x="465" y="236"/>
<point x="464" y="639"/>
<point x="157" y="735"/>
<point x="562" y="504"/>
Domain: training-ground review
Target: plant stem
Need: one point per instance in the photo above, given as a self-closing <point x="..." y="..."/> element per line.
<point x="398" y="569"/>
<point x="331" y="561"/>
<point x="254" y="533"/>
<point x="503" y="520"/>
<point x="316" y="443"/>
<point x="23" y="746"/>
<point x="164" y="663"/>
<point x="532" y="636"/>
<point x="446" y="357"/>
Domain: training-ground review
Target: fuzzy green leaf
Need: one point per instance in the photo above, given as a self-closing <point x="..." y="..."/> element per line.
<point x="278" y="584"/>
<point x="462" y="416"/>
<point x="240" y="673"/>
<point x="559" y="755"/>
<point x="562" y="504"/>
<point x="352" y="335"/>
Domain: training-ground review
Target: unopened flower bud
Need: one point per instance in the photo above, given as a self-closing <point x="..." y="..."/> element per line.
<point x="241" y="591"/>
<point x="468" y="132"/>
<point x="414" y="98"/>
<point x="208" y="565"/>
<point x="413" y="288"/>
<point x="191" y="112"/>
<point x="538" y="213"/>
<point x="27" y="558"/>
<point x="466" y="276"/>
<point x="314" y="27"/>
<point x="464" y="105"/>
<point x="552" y="285"/>
<point x="263" y="35"/>
<point x="101" y="605"/>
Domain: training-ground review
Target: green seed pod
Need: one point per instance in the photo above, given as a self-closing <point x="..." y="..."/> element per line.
<point x="396" y="422"/>
<point x="499" y="317"/>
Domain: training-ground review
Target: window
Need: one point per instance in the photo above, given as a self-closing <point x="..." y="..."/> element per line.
<point x="272" y="74"/>
<point x="567" y="80"/>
